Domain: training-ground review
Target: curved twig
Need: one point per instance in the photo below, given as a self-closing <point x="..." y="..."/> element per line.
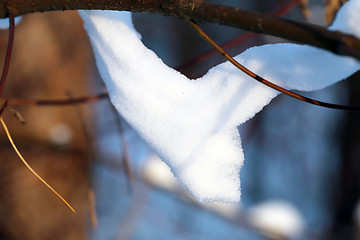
<point x="8" y="51"/>
<point x="30" y="168"/>
<point x="263" y="80"/>
<point x="3" y="107"/>
<point x="239" y="39"/>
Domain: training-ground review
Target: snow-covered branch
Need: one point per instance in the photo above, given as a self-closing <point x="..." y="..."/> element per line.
<point x="199" y="10"/>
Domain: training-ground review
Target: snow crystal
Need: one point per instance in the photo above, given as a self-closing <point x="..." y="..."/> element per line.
<point x="191" y="125"/>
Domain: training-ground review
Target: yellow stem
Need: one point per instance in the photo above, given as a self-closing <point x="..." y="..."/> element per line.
<point x="28" y="166"/>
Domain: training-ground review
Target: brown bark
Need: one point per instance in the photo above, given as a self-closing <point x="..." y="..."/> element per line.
<point x="198" y="10"/>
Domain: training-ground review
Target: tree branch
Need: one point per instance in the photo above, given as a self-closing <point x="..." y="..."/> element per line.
<point x="198" y="10"/>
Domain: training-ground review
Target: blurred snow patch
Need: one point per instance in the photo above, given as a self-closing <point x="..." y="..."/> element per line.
<point x="228" y="210"/>
<point x="159" y="174"/>
<point x="60" y="134"/>
<point x="278" y="218"/>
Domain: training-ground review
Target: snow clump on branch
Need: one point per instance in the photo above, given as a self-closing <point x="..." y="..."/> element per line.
<point x="192" y="125"/>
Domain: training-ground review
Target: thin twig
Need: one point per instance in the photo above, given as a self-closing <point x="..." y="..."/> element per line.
<point x="287" y="8"/>
<point x="304" y="6"/>
<point x="90" y="146"/>
<point x="28" y="166"/>
<point x="85" y="129"/>
<point x="263" y="80"/>
<point x="92" y="208"/>
<point x="59" y="102"/>
<point x="125" y="156"/>
<point x="8" y="51"/>
<point x="3" y="107"/>
<point x="239" y="39"/>
<point x="206" y="55"/>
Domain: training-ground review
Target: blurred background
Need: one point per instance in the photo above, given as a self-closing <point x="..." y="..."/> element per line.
<point x="301" y="174"/>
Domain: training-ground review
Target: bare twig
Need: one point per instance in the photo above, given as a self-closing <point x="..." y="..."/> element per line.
<point x="264" y="81"/>
<point x="3" y="107"/>
<point x="332" y="6"/>
<point x="304" y="6"/>
<point x="125" y="156"/>
<point x="239" y="39"/>
<point x="202" y="57"/>
<point x="30" y="168"/>
<point x="288" y="7"/>
<point x="92" y="208"/>
<point x="59" y="102"/>
<point x="8" y="52"/>
<point x="84" y="127"/>
<point x="89" y="146"/>
<point x="134" y="212"/>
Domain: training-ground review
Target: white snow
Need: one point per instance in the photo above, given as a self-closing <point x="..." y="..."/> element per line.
<point x="277" y="218"/>
<point x="61" y="134"/>
<point x="192" y="125"/>
<point x="158" y="173"/>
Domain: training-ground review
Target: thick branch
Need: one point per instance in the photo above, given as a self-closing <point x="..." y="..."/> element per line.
<point x="332" y="41"/>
